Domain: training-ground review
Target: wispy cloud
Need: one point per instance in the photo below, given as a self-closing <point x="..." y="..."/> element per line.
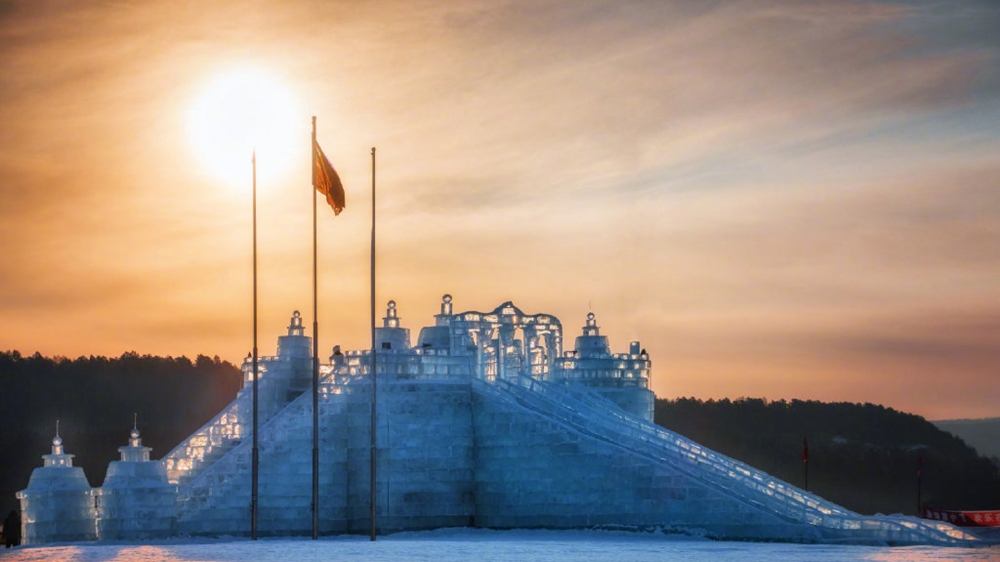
<point x="756" y="189"/>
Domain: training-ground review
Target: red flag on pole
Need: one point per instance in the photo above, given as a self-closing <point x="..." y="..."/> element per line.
<point x="805" y="450"/>
<point x="326" y="180"/>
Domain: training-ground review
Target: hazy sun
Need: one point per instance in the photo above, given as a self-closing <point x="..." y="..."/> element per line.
<point x="241" y="110"/>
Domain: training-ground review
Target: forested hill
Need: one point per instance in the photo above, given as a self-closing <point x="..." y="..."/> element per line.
<point x="861" y="456"/>
<point x="94" y="399"/>
<point x="983" y="434"/>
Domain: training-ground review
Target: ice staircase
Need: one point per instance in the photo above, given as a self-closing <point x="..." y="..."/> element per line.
<point x="217" y="491"/>
<point x="210" y="443"/>
<point x="590" y="414"/>
<point x="227" y="430"/>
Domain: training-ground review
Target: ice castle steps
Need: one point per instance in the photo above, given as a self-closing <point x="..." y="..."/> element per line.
<point x="587" y="413"/>
<point x="593" y="415"/>
<point x="233" y="425"/>
<point x="570" y="478"/>
<point x="217" y="499"/>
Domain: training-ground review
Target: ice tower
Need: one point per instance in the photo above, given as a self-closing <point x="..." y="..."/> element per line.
<point x="284" y="376"/>
<point x="622" y="378"/>
<point x="136" y="501"/>
<point x="57" y="505"/>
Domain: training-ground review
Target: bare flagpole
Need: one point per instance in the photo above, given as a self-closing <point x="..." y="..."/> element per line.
<point x="254" y="458"/>
<point x="315" y="364"/>
<point x="374" y="369"/>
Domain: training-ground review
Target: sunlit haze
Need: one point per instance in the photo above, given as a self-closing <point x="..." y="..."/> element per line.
<point x="790" y="199"/>
<point x="238" y="112"/>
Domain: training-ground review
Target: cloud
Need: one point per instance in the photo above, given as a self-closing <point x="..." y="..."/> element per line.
<point x="755" y="189"/>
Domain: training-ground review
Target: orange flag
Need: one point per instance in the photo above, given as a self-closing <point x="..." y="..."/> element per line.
<point x="326" y="180"/>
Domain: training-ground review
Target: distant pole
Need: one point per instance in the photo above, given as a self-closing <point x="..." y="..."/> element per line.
<point x="920" y="470"/>
<point x="805" y="460"/>
<point x="374" y="366"/>
<point x="315" y="363"/>
<point x="254" y="458"/>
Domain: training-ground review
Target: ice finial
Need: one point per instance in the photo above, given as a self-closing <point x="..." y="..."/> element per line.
<point x="134" y="434"/>
<point x="390" y="320"/>
<point x="134" y="451"/>
<point x="295" y="326"/>
<point x="57" y="442"/>
<point x="58" y="456"/>
<point x="446" y="304"/>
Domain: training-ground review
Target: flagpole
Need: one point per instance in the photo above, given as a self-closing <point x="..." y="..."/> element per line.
<point x="254" y="458"/>
<point x="805" y="460"/>
<point x="920" y="470"/>
<point x="315" y="364"/>
<point x="374" y="364"/>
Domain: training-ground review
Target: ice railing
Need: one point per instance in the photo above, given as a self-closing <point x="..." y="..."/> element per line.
<point x="206" y="445"/>
<point x="405" y="366"/>
<point x="594" y="415"/>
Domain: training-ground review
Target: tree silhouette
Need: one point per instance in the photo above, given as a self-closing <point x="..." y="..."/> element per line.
<point x="95" y="398"/>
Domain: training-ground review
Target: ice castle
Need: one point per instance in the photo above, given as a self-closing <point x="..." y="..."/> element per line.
<point x="485" y="422"/>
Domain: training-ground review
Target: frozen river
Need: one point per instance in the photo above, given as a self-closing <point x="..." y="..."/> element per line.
<point x="499" y="546"/>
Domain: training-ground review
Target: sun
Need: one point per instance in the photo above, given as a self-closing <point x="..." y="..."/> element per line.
<point x="242" y="110"/>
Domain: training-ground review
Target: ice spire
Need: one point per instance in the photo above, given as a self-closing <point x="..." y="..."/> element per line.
<point x="58" y="457"/>
<point x="134" y="451"/>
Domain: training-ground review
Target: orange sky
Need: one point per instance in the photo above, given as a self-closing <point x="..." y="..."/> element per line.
<point x="781" y="199"/>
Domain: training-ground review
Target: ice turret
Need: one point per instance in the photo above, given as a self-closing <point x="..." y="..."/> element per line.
<point x="444" y="318"/>
<point x="134" y="451"/>
<point x="58" y="504"/>
<point x="295" y="344"/>
<point x="283" y="377"/>
<point x="438" y="337"/>
<point x="136" y="500"/>
<point x="622" y="378"/>
<point x="391" y="336"/>
<point x="592" y="344"/>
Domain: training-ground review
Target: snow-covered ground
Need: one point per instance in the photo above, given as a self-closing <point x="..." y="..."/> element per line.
<point x="467" y="544"/>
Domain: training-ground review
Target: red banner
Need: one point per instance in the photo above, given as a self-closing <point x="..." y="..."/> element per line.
<point x="964" y="518"/>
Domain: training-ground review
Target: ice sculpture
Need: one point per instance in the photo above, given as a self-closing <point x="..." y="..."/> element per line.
<point x="136" y="501"/>
<point x="57" y="505"/>
<point x="484" y="422"/>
